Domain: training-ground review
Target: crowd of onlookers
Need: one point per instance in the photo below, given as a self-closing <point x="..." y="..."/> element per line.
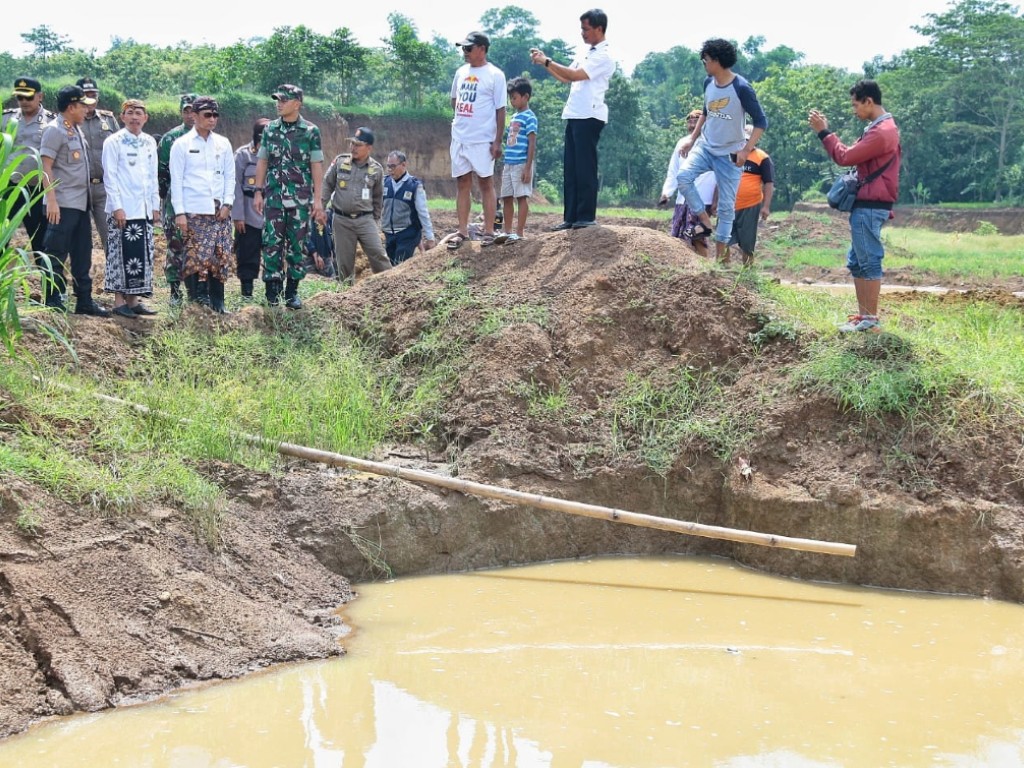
<point x="273" y="210"/>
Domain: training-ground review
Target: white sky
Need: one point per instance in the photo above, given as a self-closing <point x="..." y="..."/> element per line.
<point x="826" y="32"/>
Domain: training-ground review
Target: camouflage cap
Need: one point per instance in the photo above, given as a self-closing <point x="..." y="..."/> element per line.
<point x="88" y="85"/>
<point x="27" y="86"/>
<point x="186" y="101"/>
<point x="286" y="92"/>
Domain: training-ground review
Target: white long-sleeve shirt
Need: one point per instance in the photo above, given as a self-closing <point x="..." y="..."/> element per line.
<point x="202" y="173"/>
<point x="129" y="174"/>
<point x="705" y="182"/>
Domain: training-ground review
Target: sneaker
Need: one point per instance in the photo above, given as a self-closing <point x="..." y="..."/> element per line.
<point x="860" y="324"/>
<point x="92" y="309"/>
<point x="562" y="227"/>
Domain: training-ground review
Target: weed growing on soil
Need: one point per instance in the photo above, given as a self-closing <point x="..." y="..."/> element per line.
<point x="497" y="318"/>
<point x="658" y="418"/>
<point x="99" y="457"/>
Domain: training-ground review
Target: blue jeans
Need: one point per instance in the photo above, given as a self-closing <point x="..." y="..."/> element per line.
<point x="864" y="259"/>
<point x="727" y="176"/>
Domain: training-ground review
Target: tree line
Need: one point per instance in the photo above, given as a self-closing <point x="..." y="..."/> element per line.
<point x="958" y="99"/>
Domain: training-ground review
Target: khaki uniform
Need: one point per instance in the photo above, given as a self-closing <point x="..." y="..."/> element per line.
<point x="356" y="194"/>
<point x="96" y="130"/>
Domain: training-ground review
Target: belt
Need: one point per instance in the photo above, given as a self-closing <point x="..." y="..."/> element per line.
<point x="352" y="215"/>
<point x="96" y="181"/>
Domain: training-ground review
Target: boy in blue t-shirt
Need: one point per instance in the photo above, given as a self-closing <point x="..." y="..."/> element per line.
<point x="520" y="151"/>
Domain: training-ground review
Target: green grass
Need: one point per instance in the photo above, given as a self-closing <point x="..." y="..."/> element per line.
<point x="657" y="417"/>
<point x="954" y="255"/>
<point x="951" y="363"/>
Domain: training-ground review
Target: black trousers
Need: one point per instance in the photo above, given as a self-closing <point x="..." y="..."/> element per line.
<point x="72" y="237"/>
<point x="579" y="185"/>
<point x="249" y="252"/>
<point x="34" y="222"/>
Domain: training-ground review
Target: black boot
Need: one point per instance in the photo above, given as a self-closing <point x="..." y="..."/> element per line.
<point x="217" y="296"/>
<point x="192" y="287"/>
<point x="246" y="289"/>
<point x="175" y="293"/>
<point x="273" y="292"/>
<point x="203" y="292"/>
<point x="291" y="294"/>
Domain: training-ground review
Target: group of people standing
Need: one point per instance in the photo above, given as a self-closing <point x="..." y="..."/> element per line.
<point x="272" y="206"/>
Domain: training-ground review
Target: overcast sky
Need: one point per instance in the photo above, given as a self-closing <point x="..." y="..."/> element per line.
<point x="827" y="33"/>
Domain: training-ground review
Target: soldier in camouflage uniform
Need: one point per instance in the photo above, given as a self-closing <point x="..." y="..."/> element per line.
<point x="175" y="240"/>
<point x="99" y="125"/>
<point x="289" y="174"/>
<point x="30" y="118"/>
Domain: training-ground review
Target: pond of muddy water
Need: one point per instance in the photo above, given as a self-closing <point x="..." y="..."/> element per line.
<point x="624" y="663"/>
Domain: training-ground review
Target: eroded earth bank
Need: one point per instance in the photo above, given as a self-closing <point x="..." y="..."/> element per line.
<point x="583" y="326"/>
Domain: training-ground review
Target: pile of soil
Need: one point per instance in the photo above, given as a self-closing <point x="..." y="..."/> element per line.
<point x="96" y="611"/>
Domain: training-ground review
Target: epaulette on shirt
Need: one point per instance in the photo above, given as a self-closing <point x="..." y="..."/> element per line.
<point x="105" y="112"/>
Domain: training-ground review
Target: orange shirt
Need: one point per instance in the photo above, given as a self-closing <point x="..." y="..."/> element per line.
<point x="757" y="170"/>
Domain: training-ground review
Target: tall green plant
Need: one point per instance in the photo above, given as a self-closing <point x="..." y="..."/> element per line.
<point x="18" y="192"/>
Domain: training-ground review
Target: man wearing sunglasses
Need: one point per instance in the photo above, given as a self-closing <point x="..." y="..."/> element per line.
<point x="202" y="194"/>
<point x="478" y="98"/>
<point x="30" y="118"/>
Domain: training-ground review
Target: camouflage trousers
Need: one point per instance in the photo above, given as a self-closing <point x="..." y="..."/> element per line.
<point x="284" y="242"/>
<point x="175" y="258"/>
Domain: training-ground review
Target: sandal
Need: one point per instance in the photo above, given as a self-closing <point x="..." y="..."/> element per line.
<point x="455" y="241"/>
<point x="697" y="232"/>
<point x="487" y="239"/>
<point x="512" y="238"/>
<point x="502" y="238"/>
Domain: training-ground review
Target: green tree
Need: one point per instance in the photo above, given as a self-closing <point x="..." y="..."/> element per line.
<point x="341" y="55"/>
<point x="139" y="69"/>
<point x="974" y="68"/>
<point x="414" y="64"/>
<point x="631" y="165"/>
<point x="668" y="80"/>
<point x="45" y="41"/>
<point x="786" y="96"/>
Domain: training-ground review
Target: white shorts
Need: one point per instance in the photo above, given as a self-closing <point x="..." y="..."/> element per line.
<point x="471" y="157"/>
<point x="512" y="184"/>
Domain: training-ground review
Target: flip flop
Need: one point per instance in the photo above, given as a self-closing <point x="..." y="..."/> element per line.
<point x="456" y="240"/>
<point x="502" y="238"/>
<point x="487" y="239"/>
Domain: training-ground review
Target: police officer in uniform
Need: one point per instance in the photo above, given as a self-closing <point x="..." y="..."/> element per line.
<point x="31" y="118"/>
<point x="65" y="158"/>
<point x="98" y="126"/>
<point x="354" y="188"/>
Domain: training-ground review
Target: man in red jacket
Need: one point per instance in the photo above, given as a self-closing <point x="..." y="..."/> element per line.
<point x="877" y="157"/>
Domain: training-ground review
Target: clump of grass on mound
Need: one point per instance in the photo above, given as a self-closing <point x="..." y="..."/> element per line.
<point x="952" y="364"/>
<point x="657" y="417"/>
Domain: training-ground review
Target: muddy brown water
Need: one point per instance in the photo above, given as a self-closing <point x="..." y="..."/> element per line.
<point x="624" y="663"/>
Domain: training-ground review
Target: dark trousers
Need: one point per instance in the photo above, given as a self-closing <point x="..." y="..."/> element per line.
<point x="72" y="237"/>
<point x="580" y="164"/>
<point x="402" y="245"/>
<point x="249" y="251"/>
<point x="34" y="222"/>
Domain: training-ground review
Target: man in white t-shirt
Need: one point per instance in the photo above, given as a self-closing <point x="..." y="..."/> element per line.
<point x="585" y="116"/>
<point x="478" y="98"/>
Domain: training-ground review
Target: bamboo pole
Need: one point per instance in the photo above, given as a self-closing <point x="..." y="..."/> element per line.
<point x="529" y="499"/>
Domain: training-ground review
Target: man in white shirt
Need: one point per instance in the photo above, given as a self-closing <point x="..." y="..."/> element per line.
<point x="585" y="116"/>
<point x="132" y="207"/>
<point x="202" y="193"/>
<point x="478" y="98"/>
